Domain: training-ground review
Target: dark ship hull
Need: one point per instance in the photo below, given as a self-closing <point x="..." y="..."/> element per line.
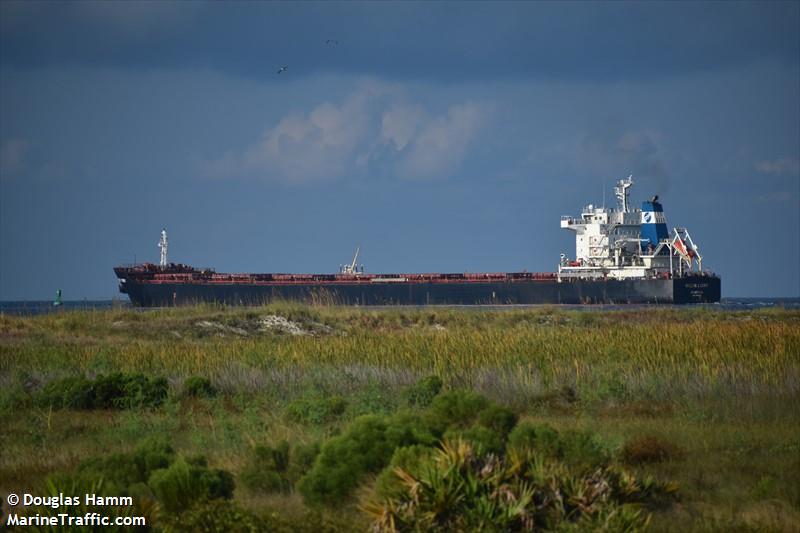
<point x="160" y="289"/>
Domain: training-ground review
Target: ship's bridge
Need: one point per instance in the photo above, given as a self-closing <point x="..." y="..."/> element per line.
<point x="589" y="215"/>
<point x="625" y="242"/>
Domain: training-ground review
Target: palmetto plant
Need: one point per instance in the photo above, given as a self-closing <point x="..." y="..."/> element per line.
<point x="460" y="490"/>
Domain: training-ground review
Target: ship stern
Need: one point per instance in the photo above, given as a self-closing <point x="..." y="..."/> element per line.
<point x="697" y="289"/>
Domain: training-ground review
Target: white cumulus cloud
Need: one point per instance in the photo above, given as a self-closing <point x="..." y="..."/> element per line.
<point x="375" y="126"/>
<point x="440" y="144"/>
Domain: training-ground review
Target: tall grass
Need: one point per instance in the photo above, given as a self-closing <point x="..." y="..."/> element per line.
<point x="514" y="354"/>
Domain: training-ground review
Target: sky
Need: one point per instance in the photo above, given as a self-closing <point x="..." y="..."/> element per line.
<point x="438" y="136"/>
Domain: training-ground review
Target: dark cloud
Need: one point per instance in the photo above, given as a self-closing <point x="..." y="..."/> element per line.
<point x="440" y="41"/>
<point x="631" y="152"/>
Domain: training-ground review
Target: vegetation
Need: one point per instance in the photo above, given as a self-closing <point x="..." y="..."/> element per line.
<point x="114" y="391"/>
<point x="214" y="420"/>
<point x="458" y="489"/>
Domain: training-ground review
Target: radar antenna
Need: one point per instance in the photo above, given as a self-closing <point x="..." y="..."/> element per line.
<point x="163" y="245"/>
<point x="621" y="190"/>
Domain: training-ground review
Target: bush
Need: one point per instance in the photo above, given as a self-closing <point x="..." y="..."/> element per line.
<point x="316" y="410"/>
<point x="500" y="420"/>
<point x="214" y="516"/>
<point x="268" y="470"/>
<point x="422" y="393"/>
<point x="649" y="449"/>
<point x="542" y="439"/>
<point x="120" y="471"/>
<point x="372" y="400"/>
<point x="113" y="391"/>
<point x="198" y="387"/>
<point x="462" y="490"/>
<point x="370" y="442"/>
<point x="68" y="393"/>
<point x="583" y="451"/>
<point x="408" y="427"/>
<point x="301" y="460"/>
<point x="185" y="482"/>
<point x="408" y="458"/>
<point x="150" y="473"/>
<point x="345" y="459"/>
<point x="124" y="391"/>
<point x="278" y="469"/>
<point x="454" y="409"/>
<point x="578" y="449"/>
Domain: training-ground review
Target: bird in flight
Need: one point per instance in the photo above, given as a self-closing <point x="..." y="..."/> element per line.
<point x="283" y="69"/>
<point x="331" y="41"/>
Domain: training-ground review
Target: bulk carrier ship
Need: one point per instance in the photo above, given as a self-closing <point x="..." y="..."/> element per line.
<point x="622" y="255"/>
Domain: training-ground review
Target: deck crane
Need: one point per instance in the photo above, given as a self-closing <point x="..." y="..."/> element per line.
<point x="352" y="268"/>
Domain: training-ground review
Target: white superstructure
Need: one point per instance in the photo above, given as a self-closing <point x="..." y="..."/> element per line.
<point x="625" y="243"/>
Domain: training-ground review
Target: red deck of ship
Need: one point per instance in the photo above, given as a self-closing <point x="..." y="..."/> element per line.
<point x="149" y="273"/>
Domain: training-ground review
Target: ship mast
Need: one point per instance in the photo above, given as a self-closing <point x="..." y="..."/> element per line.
<point x="163" y="245"/>
<point x="621" y="190"/>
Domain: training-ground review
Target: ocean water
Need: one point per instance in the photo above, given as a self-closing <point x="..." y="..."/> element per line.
<point x="34" y="307"/>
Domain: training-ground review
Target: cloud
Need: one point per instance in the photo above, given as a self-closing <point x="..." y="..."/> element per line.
<point x="12" y="156"/>
<point x="400" y="123"/>
<point x="440" y="145"/>
<point x="784" y="166"/>
<point x="374" y="130"/>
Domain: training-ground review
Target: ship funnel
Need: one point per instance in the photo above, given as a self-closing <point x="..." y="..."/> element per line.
<point x="654" y="223"/>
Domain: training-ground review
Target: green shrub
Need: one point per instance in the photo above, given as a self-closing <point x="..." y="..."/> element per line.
<point x="268" y="469"/>
<point x="369" y="442"/>
<point x="499" y="419"/>
<point x="198" y="387"/>
<point x="582" y="450"/>
<point x="408" y="458"/>
<point x="124" y="391"/>
<point x="343" y="461"/>
<point x="371" y="400"/>
<point x="214" y="516"/>
<point x="542" y="439"/>
<point x="151" y="472"/>
<point x="301" y="460"/>
<point x="579" y="449"/>
<point x="119" y="472"/>
<point x="454" y="409"/>
<point x="408" y="427"/>
<point x="68" y="393"/>
<point x="316" y="410"/>
<point x="112" y="391"/>
<point x="462" y="490"/>
<point x="422" y="393"/>
<point x="185" y="482"/>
